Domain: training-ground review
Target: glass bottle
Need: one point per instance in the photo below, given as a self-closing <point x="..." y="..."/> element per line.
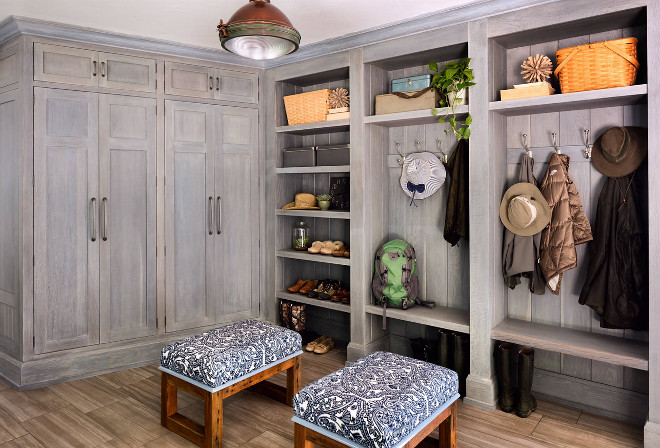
<point x="301" y="236"/>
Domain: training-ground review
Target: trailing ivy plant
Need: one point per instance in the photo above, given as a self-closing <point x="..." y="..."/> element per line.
<point x="453" y="77"/>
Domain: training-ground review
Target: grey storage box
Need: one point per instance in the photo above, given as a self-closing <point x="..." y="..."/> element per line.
<point x="292" y="157"/>
<point x="333" y="155"/>
<point x="411" y="83"/>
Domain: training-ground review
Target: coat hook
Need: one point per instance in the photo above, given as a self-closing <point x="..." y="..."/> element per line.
<point x="526" y="146"/>
<point x="397" y="145"/>
<point x="445" y="159"/>
<point x="588" y="148"/>
<point x="554" y="143"/>
<point x="417" y="143"/>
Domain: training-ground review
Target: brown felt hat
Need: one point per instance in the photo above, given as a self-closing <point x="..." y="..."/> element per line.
<point x="524" y="210"/>
<point x="303" y="201"/>
<point x="620" y="151"/>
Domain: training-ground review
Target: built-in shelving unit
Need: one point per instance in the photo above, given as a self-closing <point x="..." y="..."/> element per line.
<point x="321" y="127"/>
<point x="327" y="304"/>
<point x="331" y="214"/>
<point x="314" y="169"/>
<point x="417" y="117"/>
<point x="302" y="255"/>
<point x="439" y="317"/>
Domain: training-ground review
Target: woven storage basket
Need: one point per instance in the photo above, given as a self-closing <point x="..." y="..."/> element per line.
<point x="601" y="65"/>
<point x="307" y="107"/>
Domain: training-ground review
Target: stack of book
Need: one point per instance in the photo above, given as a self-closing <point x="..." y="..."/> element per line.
<point x="527" y="91"/>
<point x="338" y="114"/>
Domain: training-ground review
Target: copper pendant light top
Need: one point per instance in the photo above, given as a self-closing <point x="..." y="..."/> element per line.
<point x="260" y="11"/>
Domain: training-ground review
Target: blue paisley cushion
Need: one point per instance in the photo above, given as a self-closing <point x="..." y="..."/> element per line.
<point x="377" y="401"/>
<point x="224" y="354"/>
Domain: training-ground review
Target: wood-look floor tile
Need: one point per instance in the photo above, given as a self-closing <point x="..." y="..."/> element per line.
<point x="139" y="414"/>
<point x="235" y="429"/>
<point x="126" y="377"/>
<point x="113" y="444"/>
<point x="27" y="441"/>
<point x="487" y="435"/>
<point x="171" y="441"/>
<point x="32" y="403"/>
<point x="4" y="386"/>
<point x="88" y="394"/>
<point x="598" y="423"/>
<point x="9" y="428"/>
<point x="569" y="434"/>
<point x="121" y="427"/>
<point x="557" y="411"/>
<point x="509" y="421"/>
<point x="67" y="428"/>
<point x="272" y="416"/>
<point x="268" y="440"/>
<point x="147" y="392"/>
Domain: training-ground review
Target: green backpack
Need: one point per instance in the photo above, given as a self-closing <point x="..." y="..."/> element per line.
<point x="395" y="282"/>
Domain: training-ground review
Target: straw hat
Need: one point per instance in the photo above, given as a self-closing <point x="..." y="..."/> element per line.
<point x="524" y="210"/>
<point x="424" y="172"/>
<point x="620" y="151"/>
<point x="303" y="201"/>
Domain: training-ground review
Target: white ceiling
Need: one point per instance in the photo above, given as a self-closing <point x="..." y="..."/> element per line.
<point x="193" y="22"/>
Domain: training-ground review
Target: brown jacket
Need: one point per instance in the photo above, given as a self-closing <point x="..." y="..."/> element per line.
<point x="457" y="222"/>
<point x="568" y="226"/>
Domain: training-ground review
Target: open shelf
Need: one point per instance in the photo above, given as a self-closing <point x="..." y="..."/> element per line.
<point x="584" y="344"/>
<point x="416" y="117"/>
<point x="440" y="317"/>
<point x="591" y="99"/>
<point x="320" y="127"/>
<point x="314" y="169"/>
<point x="332" y="214"/>
<point x="302" y="255"/>
<point x="328" y="304"/>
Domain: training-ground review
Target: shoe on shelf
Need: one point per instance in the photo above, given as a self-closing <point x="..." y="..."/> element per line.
<point x="328" y="248"/>
<point x="315" y="248"/>
<point x="308" y="286"/>
<point x="339" y="252"/>
<point x="339" y="295"/>
<point x="347" y="252"/>
<point x="314" y="293"/>
<point x="347" y="298"/>
<point x="312" y="345"/>
<point x="330" y="290"/>
<point x="325" y="346"/>
<point x="297" y="286"/>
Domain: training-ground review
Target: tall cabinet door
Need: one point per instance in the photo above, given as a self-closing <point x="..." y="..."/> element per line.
<point x="127" y="216"/>
<point x="189" y="215"/>
<point x="237" y="206"/>
<point x="66" y="245"/>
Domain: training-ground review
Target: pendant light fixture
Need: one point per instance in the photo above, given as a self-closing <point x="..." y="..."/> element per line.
<point x="259" y="30"/>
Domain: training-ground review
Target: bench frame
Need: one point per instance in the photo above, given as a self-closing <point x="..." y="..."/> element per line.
<point x="446" y="422"/>
<point x="209" y="435"/>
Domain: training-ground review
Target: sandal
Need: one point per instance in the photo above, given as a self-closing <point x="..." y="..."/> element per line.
<point x="328" y="248"/>
<point x="297" y="286"/>
<point x="315" y="248"/>
<point x="312" y="345"/>
<point x="311" y="284"/>
<point x="325" y="346"/>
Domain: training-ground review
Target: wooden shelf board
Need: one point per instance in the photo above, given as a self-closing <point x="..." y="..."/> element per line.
<point x="315" y="169"/>
<point x="584" y="344"/>
<point x="440" y="317"/>
<point x="328" y="304"/>
<point x="332" y="214"/>
<point x="415" y="117"/>
<point x="591" y="99"/>
<point x="321" y="127"/>
<point x="302" y="255"/>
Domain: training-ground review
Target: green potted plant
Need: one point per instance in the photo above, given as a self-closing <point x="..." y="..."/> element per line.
<point x="324" y="201"/>
<point x="451" y="80"/>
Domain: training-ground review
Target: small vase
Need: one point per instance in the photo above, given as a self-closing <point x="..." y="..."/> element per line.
<point x="324" y="205"/>
<point x="452" y="96"/>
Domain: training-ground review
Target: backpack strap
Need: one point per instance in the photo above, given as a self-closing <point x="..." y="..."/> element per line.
<point x="384" y="316"/>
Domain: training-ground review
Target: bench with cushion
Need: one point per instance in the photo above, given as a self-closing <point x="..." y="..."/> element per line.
<point x="219" y="363"/>
<point x="383" y="400"/>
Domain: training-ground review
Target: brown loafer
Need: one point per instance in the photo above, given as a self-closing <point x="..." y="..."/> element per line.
<point x="339" y="295"/>
<point x="347" y="298"/>
<point x="339" y="252"/>
<point x="296" y="287"/>
<point x="347" y="252"/>
<point x="325" y="346"/>
<point x="311" y="284"/>
<point x="312" y="345"/>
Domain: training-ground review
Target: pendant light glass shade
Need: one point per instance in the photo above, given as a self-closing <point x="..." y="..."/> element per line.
<point x="259" y="30"/>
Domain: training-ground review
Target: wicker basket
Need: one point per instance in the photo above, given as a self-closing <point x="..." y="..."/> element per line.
<point x="601" y="65"/>
<point x="307" y="107"/>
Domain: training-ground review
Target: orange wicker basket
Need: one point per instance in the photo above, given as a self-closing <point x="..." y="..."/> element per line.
<point x="307" y="107"/>
<point x="601" y="65"/>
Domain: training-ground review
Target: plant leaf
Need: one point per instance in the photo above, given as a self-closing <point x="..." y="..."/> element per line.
<point x="468" y="120"/>
<point x="433" y="66"/>
<point x="435" y="112"/>
<point x="467" y="133"/>
<point x="451" y="72"/>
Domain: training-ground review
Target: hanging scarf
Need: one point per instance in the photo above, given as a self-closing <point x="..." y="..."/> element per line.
<point x="415" y="188"/>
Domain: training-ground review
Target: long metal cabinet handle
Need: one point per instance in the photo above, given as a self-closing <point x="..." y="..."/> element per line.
<point x="210" y="215"/>
<point x="94" y="71"/>
<point x="103" y="69"/>
<point x="219" y="218"/>
<point x="104" y="213"/>
<point x="210" y="82"/>
<point x="217" y="83"/>
<point x="92" y="207"/>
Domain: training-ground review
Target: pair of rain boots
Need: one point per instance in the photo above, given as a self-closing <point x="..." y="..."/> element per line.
<point x="524" y="403"/>
<point x="454" y="353"/>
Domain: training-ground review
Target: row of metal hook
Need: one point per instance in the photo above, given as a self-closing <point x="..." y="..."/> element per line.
<point x="587" y="150"/>
<point x="438" y="142"/>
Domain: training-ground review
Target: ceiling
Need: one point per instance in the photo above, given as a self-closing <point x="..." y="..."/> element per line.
<point x="193" y="22"/>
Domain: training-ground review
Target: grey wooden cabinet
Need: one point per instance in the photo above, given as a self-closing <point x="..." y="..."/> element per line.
<point x="55" y="63"/>
<point x="95" y="207"/>
<point x="211" y="200"/>
<point x="212" y="83"/>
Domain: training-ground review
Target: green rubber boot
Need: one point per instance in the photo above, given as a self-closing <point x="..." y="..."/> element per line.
<point x="526" y="402"/>
<point x="504" y="363"/>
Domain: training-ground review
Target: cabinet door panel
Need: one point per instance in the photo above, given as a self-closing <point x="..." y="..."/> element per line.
<point x="54" y="63"/>
<point x="237" y="253"/>
<point x="189" y="218"/>
<point x="127" y="72"/>
<point x="66" y="283"/>
<point x="236" y="86"/>
<point x="188" y="80"/>
<point x="127" y="185"/>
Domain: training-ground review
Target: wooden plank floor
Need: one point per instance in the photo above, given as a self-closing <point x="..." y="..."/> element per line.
<point x="121" y="409"/>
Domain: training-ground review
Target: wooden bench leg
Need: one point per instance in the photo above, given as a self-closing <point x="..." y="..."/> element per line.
<point x="293" y="380"/>
<point x="168" y="399"/>
<point x="448" y="429"/>
<point x="213" y="420"/>
<point x="300" y="437"/>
